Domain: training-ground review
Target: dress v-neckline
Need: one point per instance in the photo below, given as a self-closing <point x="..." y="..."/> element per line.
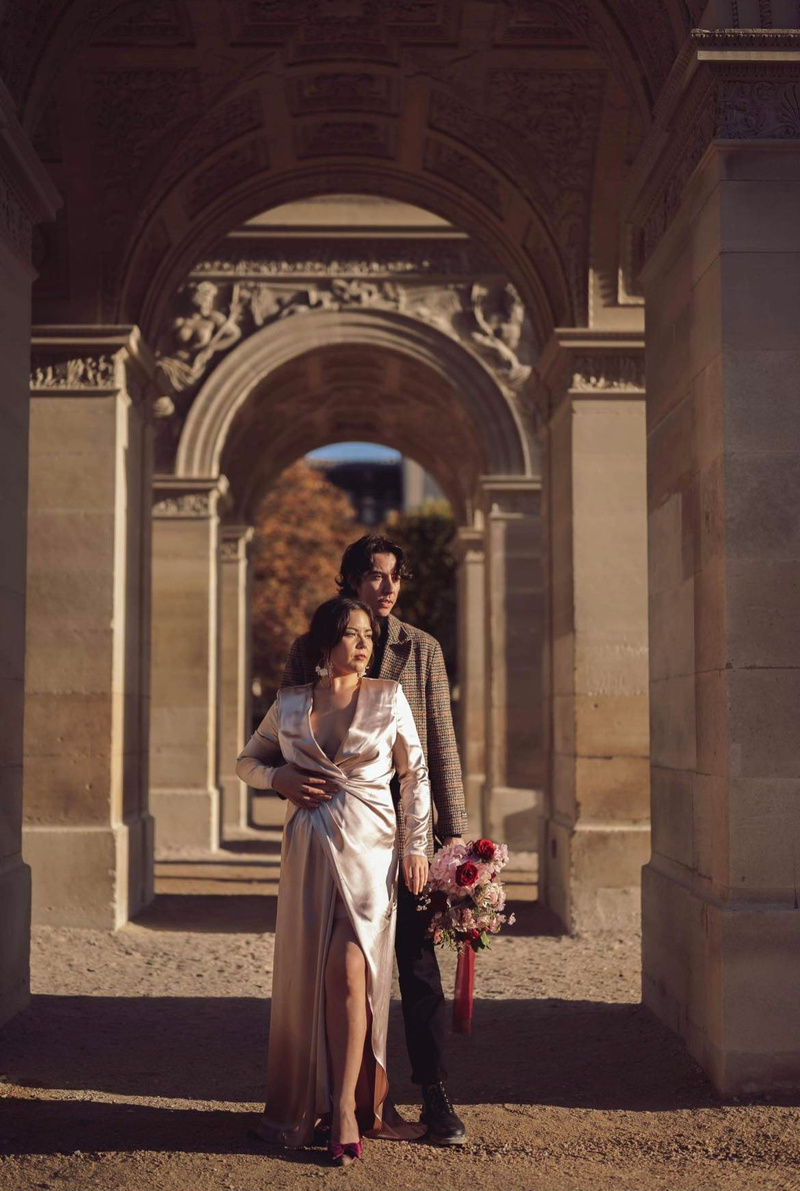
<point x="332" y="760"/>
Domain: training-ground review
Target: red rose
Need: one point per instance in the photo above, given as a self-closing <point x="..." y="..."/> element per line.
<point x="467" y="874"/>
<point x="484" y="850"/>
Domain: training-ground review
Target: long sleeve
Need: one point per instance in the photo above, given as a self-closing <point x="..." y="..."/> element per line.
<point x="415" y="790"/>
<point x="447" y="786"/>
<point x="255" y="763"/>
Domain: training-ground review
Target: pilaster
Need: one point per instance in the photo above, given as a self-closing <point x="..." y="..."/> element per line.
<point x="27" y="197"/>
<point x="514" y="622"/>
<point x="235" y="674"/>
<point x="715" y="196"/>
<point x="184" y="729"/>
<point x="589" y="402"/>
<point x="88" y="831"/>
<point x="469" y="550"/>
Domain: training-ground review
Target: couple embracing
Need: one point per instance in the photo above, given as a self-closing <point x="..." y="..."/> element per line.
<point x="360" y="742"/>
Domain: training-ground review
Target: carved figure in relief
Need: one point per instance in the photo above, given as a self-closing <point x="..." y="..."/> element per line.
<point x="195" y="337"/>
<point x="500" y="329"/>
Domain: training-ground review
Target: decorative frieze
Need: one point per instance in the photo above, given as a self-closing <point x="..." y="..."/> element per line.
<point x="186" y="504"/>
<point x="601" y="371"/>
<point x="301" y="257"/>
<point x="343" y="91"/>
<point x="74" y="372"/>
<point x="725" y="86"/>
<point x="209" y="318"/>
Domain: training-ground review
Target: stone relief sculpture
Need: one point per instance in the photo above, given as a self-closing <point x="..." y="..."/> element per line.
<point x="499" y="330"/>
<point x="80" y="372"/>
<point x="194" y="338"/>
<point x="486" y="318"/>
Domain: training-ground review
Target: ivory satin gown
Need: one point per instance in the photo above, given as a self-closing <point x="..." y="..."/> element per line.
<point x="349" y="846"/>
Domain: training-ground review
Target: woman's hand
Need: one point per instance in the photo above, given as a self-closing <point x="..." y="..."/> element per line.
<point x="415" y="873"/>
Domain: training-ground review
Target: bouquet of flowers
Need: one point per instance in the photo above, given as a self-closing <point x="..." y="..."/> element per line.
<point x="466" y="902"/>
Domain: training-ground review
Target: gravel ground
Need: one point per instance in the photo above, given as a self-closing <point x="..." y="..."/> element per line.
<point x="141" y="1063"/>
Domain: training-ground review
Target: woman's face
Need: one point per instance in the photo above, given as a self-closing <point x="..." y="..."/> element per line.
<point x="352" y="654"/>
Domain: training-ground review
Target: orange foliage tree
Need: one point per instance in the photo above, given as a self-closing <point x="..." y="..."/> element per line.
<point x="301" y="530"/>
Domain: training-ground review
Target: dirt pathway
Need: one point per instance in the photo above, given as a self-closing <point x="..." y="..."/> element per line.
<point x="141" y="1061"/>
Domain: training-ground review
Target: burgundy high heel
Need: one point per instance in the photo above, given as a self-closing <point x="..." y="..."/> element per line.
<point x="343" y="1155"/>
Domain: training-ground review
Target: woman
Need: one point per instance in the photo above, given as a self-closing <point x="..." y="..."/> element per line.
<point x="334" y="938"/>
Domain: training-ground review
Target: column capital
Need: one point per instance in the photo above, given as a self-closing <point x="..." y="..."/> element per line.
<point x="468" y="545"/>
<point x="727" y="87"/>
<point x="86" y="360"/>
<point x="184" y="497"/>
<point x="585" y="364"/>
<point x="510" y="496"/>
<point x="234" y="541"/>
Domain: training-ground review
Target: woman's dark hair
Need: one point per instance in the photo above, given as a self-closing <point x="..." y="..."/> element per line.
<point x="329" y="622"/>
<point x="358" y="561"/>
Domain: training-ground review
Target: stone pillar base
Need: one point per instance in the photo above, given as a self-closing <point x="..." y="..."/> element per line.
<point x="511" y="816"/>
<point x="15" y="929"/>
<point x="234" y="801"/>
<point x="186" y="820"/>
<point x="90" y="876"/>
<point x="592" y="875"/>
<point x="725" y="977"/>
<point x="266" y="810"/>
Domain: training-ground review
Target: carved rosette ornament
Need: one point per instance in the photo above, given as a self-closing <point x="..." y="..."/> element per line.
<point x="726" y="85"/>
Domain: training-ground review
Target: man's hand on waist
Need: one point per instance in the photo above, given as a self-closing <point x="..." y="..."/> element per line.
<point x="302" y="789"/>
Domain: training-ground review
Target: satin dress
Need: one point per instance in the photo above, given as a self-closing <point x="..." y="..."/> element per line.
<point x="346" y="846"/>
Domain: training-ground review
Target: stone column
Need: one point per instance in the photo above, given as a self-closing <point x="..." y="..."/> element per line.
<point x="88" y="832"/>
<point x="471" y="724"/>
<point x="590" y="401"/>
<point x="235" y="710"/>
<point x="721" y="946"/>
<point x="26" y="197"/>
<point x="514" y="624"/>
<point x="184" y="771"/>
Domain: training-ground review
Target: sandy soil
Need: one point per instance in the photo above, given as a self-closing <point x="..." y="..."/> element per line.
<point x="141" y="1063"/>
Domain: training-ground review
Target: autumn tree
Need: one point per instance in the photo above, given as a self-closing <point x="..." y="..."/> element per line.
<point x="428" y="600"/>
<point x="301" y="530"/>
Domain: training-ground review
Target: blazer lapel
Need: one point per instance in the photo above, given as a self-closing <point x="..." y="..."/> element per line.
<point x="397" y="651"/>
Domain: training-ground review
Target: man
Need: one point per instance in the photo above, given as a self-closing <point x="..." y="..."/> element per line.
<point x="372" y="571"/>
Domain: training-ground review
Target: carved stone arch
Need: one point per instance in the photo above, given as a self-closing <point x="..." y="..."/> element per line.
<point x="495" y="435"/>
<point x="523" y="241"/>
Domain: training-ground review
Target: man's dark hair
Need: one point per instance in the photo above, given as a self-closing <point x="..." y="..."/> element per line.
<point x="330" y="621"/>
<point x="358" y="561"/>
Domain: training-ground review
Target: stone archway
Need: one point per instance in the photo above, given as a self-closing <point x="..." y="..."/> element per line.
<point x="382" y="376"/>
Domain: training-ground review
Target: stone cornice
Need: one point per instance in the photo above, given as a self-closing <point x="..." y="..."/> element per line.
<point x="188" y="497"/>
<point x="725" y="85"/>
<point x="80" y="359"/>
<point x="586" y="364"/>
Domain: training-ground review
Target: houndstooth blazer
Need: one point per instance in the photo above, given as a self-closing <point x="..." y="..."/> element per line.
<point x="414" y="659"/>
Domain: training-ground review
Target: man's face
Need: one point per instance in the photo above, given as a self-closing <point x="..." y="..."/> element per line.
<point x="380" y="587"/>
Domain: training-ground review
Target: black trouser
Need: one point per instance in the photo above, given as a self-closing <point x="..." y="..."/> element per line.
<point x="424" y="1009"/>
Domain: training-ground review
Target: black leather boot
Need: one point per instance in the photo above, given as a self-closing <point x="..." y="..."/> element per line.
<point x="444" y="1127"/>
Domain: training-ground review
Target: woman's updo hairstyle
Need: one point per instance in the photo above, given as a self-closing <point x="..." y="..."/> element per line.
<point x="329" y="622"/>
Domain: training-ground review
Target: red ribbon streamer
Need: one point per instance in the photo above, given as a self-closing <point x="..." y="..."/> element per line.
<point x="462" y="998"/>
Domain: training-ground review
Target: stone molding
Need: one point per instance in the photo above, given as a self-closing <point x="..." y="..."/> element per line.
<point x="183" y="498"/>
<point x="510" y="497"/>
<point x="234" y="542"/>
<point x="278" y="258"/>
<point x="72" y="359"/>
<point x="726" y="85"/>
<point x="586" y="365"/>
